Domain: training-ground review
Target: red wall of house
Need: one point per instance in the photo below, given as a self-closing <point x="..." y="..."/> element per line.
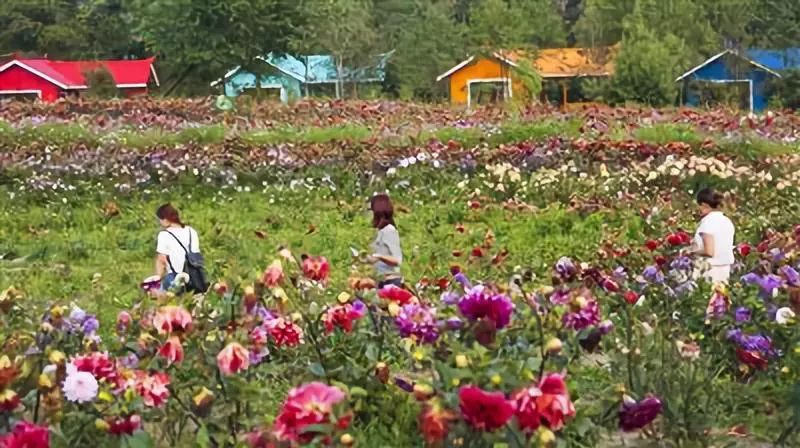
<point x="17" y="78"/>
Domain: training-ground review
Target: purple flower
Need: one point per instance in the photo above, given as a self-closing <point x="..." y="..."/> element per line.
<point x="791" y="275"/>
<point x="685" y="288"/>
<point x="756" y="342"/>
<point x="129" y="362"/>
<point x="90" y="325"/>
<point x="620" y="273"/>
<point x="261" y="312"/>
<point x="566" y="268"/>
<point x="454" y="323"/>
<point x="560" y="297"/>
<point x="682" y="264"/>
<point x="742" y="314"/>
<point x="462" y="280"/>
<point x="652" y="274"/>
<point x="734" y="335"/>
<point x="449" y="298"/>
<point x="477" y="304"/>
<point x="750" y="278"/>
<point x="258" y="356"/>
<point x="417" y="321"/>
<point x="583" y="315"/>
<point x="77" y="315"/>
<point x="769" y="285"/>
<point x="635" y="415"/>
<point x="776" y="254"/>
<point x="606" y="327"/>
<point x="403" y="384"/>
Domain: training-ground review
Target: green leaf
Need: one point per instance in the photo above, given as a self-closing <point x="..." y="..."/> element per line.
<point x="139" y="439"/>
<point x="316" y="369"/>
<point x="202" y="439"/>
<point x="358" y="392"/>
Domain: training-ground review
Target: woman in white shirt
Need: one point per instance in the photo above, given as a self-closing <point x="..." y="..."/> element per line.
<point x="714" y="237"/>
<point x="174" y="240"/>
<point x="387" y="254"/>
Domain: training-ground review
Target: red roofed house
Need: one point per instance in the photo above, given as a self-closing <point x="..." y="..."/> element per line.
<point x="51" y="80"/>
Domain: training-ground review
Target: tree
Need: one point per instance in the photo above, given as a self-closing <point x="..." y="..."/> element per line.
<point x="341" y="28"/>
<point x="513" y="24"/>
<point x="602" y="22"/>
<point x="646" y="68"/>
<point x="776" y="23"/>
<point x="201" y="39"/>
<point x="431" y="43"/>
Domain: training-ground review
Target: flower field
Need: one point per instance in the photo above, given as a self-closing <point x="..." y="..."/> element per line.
<point x="548" y="302"/>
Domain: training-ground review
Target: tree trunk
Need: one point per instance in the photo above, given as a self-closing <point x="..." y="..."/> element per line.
<point x="179" y="79"/>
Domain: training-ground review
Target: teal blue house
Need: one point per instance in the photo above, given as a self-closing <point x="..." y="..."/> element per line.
<point x="296" y="76"/>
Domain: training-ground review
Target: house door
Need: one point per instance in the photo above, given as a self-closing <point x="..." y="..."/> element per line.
<point x="488" y="91"/>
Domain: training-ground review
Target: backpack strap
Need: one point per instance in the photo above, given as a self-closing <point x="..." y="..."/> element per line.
<point x="182" y="247"/>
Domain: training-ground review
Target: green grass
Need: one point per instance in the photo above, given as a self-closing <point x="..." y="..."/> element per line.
<point x="668" y="132"/>
<point x="59" y="248"/>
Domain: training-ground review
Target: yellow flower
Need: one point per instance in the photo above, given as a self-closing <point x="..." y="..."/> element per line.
<point x="462" y="361"/>
<point x="346" y="440"/>
<point x="496" y="379"/>
<point x="343" y="298"/>
<point x="101" y="425"/>
<point x="57" y="357"/>
<point x="546" y="438"/>
<point x="394" y="309"/>
<point x="419" y="355"/>
<point x="553" y="346"/>
<point x="455" y="382"/>
<point x="45" y="382"/>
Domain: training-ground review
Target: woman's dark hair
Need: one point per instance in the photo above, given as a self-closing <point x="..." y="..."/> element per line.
<point x="709" y="197"/>
<point x="382" y="211"/>
<point x="170" y="213"/>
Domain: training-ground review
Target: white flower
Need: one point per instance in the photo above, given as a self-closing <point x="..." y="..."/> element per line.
<point x="784" y="315"/>
<point x="80" y="387"/>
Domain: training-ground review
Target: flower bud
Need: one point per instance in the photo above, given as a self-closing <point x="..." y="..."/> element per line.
<point x="423" y="392"/>
<point x="56" y="357"/>
<point x="553" y="346"/>
<point x="547" y="438"/>
<point x="496" y="379"/>
<point x="101" y="425"/>
<point x="220" y="288"/>
<point x="346" y="440"/>
<point x="201" y="403"/>
<point x="462" y="361"/>
<point x="382" y="372"/>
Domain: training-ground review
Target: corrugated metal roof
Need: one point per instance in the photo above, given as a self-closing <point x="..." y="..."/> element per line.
<point x="317" y="69"/>
<point x="786" y="59"/>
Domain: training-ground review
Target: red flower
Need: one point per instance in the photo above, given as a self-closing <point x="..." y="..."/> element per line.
<point x="343" y="316"/>
<point x="651" y="244"/>
<point x="631" y="297"/>
<point x="434" y="422"/>
<point x="477" y="252"/>
<point x="233" y="359"/>
<point x="752" y="358"/>
<point x="443" y="283"/>
<point x="172" y="318"/>
<point x="273" y="275"/>
<point x="124" y="425"/>
<point x="8" y="371"/>
<point x="309" y="404"/>
<point x="316" y="269"/>
<point x="660" y="260"/>
<point x="743" y="249"/>
<point x="547" y="403"/>
<point x="26" y="435"/>
<point x="609" y="285"/>
<point x="679" y="238"/>
<point x="152" y="388"/>
<point x="554" y="405"/>
<point x="763" y="246"/>
<point x="485" y="411"/>
<point x="398" y="295"/>
<point x="99" y="365"/>
<point x="9" y="400"/>
<point x="172" y="350"/>
<point x="284" y="332"/>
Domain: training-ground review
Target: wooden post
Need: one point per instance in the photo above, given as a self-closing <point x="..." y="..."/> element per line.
<point x="564" y="94"/>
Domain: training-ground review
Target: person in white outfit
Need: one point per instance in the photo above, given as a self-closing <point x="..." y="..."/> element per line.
<point x="714" y="237"/>
<point x="174" y="240"/>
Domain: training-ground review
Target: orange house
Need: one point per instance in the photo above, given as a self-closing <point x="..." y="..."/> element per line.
<point x="552" y="64"/>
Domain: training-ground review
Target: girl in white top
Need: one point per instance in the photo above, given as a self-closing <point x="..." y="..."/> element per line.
<point x="173" y="241"/>
<point x="714" y="237"/>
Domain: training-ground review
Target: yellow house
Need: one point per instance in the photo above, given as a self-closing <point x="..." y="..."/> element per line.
<point x="551" y="64"/>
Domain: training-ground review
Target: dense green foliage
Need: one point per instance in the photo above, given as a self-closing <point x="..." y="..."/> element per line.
<point x="197" y="41"/>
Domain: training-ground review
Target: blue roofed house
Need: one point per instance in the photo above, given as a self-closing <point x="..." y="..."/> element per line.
<point x="294" y="76"/>
<point x="750" y="70"/>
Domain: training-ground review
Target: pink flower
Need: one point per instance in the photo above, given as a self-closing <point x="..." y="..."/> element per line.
<point x="583" y="313"/>
<point x="152" y="388"/>
<point x="547" y="403"/>
<point x="233" y="359"/>
<point x="79" y="387"/>
<point x="273" y="275"/>
<point x="316" y="268"/>
<point x="284" y="332"/>
<point x="396" y="294"/>
<point x="484" y="411"/>
<point x="26" y="435"/>
<point x="99" y="365"/>
<point x="343" y="316"/>
<point x="172" y="350"/>
<point x="123" y="322"/>
<point x="171" y="319"/>
<point x="309" y="404"/>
